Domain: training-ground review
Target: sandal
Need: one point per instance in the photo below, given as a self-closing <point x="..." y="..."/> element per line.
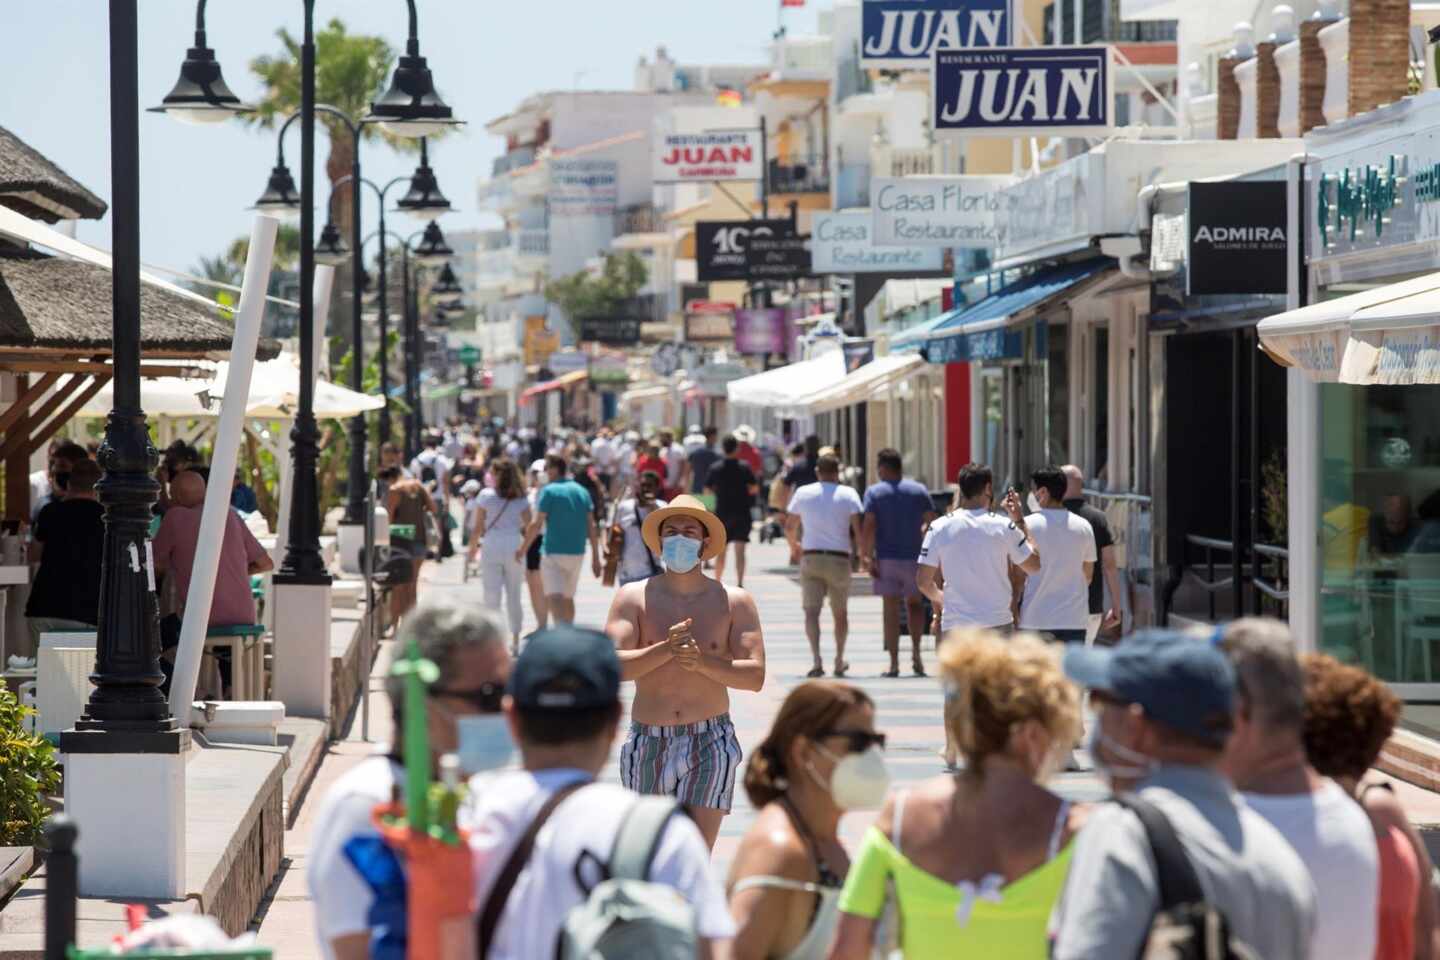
<point x="891" y="674"/>
<point x="840" y="669"/>
<point x="919" y="668"/>
<point x="816" y="672"/>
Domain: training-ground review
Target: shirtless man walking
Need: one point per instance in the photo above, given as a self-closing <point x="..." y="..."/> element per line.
<point x="685" y="640"/>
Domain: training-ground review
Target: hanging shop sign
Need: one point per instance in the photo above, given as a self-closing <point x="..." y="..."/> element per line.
<point x="721" y="246"/>
<point x="843" y="243"/>
<point x="948" y="212"/>
<point x="997" y="344"/>
<point x="857" y="353"/>
<point x="583" y="187"/>
<point x="760" y="331"/>
<point x="1236" y="237"/>
<point x="903" y="34"/>
<point x="778" y="257"/>
<point x="468" y="355"/>
<point x="728" y="155"/>
<point x="609" y="369"/>
<point x="1038" y="91"/>
<point x="707" y="322"/>
<point x="568" y="361"/>
<point x="616" y="331"/>
<point x="539" y="342"/>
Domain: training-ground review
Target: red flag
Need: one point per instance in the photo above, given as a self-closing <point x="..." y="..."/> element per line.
<point x="792" y="3"/>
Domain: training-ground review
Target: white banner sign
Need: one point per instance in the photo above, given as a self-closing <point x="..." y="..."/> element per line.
<point x="704" y="157"/>
<point x="843" y="243"/>
<point x="958" y="211"/>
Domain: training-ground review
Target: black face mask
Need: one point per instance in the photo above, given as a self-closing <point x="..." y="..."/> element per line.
<point x="62" y="479"/>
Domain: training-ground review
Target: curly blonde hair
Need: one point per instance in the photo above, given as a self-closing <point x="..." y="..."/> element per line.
<point x="993" y="684"/>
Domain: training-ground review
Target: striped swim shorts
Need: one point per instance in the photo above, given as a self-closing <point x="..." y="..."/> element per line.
<point x="695" y="763"/>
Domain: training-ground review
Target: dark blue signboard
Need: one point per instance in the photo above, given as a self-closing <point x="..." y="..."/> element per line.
<point x="996" y="344"/>
<point x="1044" y="91"/>
<point x="902" y="34"/>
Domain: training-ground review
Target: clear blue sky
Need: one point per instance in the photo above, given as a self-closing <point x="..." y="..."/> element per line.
<point x="197" y="181"/>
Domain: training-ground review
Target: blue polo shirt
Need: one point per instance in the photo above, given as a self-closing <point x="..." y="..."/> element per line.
<point x="899" y="510"/>
<point x="566" y="506"/>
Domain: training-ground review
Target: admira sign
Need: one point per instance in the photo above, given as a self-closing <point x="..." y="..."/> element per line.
<point x="1237" y="237"/>
<point x="903" y="34"/>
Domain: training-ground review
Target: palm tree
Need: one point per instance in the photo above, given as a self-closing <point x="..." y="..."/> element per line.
<point x="350" y="69"/>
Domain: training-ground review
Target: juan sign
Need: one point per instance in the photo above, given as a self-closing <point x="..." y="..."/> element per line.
<point x="1045" y="91"/>
<point x="903" y="34"/>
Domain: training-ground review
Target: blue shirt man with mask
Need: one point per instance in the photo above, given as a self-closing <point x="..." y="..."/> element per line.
<point x="897" y="513"/>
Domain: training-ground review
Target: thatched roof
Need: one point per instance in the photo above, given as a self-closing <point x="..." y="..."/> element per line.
<point x="66" y="304"/>
<point x="30" y="184"/>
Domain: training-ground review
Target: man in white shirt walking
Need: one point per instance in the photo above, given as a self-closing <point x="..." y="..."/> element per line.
<point x="1056" y="598"/>
<point x="825" y="516"/>
<point x="1266" y="760"/>
<point x="966" y="558"/>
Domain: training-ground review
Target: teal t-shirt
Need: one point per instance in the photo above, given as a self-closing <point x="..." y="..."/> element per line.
<point x="566" y="506"/>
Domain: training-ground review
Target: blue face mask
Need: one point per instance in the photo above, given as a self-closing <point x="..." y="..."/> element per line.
<point x="679" y="553"/>
<point x="484" y="742"/>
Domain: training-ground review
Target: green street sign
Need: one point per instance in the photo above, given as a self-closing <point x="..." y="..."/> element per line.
<point x="469" y="356"/>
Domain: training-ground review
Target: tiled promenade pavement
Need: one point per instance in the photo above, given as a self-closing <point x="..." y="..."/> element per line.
<point x="907" y="709"/>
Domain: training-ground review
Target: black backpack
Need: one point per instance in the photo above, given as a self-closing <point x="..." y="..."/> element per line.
<point x="1185" y="927"/>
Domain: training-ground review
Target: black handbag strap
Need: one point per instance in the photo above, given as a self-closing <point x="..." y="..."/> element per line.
<point x="1178" y="881"/>
<point x="495" y="904"/>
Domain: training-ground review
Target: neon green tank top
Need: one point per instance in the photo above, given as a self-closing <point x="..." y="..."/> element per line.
<point x="943" y="920"/>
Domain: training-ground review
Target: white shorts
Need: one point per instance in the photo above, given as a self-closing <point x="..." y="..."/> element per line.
<point x="560" y="573"/>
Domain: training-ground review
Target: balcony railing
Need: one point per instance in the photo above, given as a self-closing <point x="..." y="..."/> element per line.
<point x="514" y="160"/>
<point x="888" y="161"/>
<point x="806" y="177"/>
<point x="532" y="243"/>
<point x="638" y="218"/>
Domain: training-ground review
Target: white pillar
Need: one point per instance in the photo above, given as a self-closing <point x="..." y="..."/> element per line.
<point x="214" y="516"/>
<point x="130" y="808"/>
<point x="1302" y="453"/>
<point x="302" y="611"/>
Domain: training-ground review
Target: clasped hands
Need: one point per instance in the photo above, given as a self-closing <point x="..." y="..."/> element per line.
<point x="682" y="645"/>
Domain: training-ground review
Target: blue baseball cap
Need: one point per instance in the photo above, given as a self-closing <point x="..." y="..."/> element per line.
<point x="566" y="668"/>
<point x="1181" y="680"/>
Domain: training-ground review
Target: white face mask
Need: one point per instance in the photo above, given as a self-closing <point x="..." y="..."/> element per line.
<point x="859" y="780"/>
<point x="1134" y="765"/>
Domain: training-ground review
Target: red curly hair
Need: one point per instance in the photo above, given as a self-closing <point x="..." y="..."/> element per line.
<point x="1348" y="716"/>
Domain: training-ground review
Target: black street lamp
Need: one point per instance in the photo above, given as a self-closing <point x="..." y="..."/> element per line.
<point x="201" y="94"/>
<point x="432" y="250"/>
<point x="127" y="700"/>
<point x="410" y="108"/>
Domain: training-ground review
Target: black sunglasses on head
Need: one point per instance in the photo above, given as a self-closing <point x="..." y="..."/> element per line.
<point x="485" y="698"/>
<point x="858" y="741"/>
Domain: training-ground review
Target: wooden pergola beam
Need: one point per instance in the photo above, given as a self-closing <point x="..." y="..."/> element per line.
<point x="19" y="439"/>
<point x="43" y="435"/>
<point x="22" y="403"/>
<point x="58" y="367"/>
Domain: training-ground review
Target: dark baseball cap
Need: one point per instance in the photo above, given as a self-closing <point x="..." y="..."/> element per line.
<point x="566" y="668"/>
<point x="1181" y="680"/>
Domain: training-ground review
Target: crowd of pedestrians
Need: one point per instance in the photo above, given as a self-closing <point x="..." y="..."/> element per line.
<point x="1245" y="819"/>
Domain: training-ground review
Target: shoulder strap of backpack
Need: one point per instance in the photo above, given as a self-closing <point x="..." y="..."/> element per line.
<point x="639" y="837"/>
<point x="505" y="882"/>
<point x="1178" y="881"/>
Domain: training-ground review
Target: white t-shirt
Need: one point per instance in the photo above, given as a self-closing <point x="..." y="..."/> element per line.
<point x="1335" y="840"/>
<point x="503" y="524"/>
<point x="635" y="560"/>
<point x="342" y="897"/>
<point x="1058" y="597"/>
<point x="674" y="463"/>
<point x="825" y="509"/>
<point x="973" y="550"/>
<point x="603" y="452"/>
<point x="503" y="807"/>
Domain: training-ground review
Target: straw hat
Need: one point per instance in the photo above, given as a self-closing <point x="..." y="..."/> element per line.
<point x="686" y="506"/>
<point x="744" y="434"/>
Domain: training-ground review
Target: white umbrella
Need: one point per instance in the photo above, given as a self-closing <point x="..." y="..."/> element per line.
<point x="274" y="394"/>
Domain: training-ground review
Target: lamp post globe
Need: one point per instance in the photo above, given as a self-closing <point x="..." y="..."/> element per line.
<point x="424" y="200"/>
<point x="432" y="250"/>
<point x="201" y="95"/>
<point x="410" y="106"/>
<point x="447" y="289"/>
<point x="331" y="250"/>
<point x="280" y="198"/>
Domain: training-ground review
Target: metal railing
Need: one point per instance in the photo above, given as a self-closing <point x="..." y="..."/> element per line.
<point x="638" y="218"/>
<point x="534" y="243"/>
<point x="1269" y="577"/>
<point x="514" y="160"/>
<point x="808" y="177"/>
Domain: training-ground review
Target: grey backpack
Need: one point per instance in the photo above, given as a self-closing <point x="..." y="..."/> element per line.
<point x="624" y="914"/>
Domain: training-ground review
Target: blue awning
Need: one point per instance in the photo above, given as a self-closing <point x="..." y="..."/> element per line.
<point x="978" y="331"/>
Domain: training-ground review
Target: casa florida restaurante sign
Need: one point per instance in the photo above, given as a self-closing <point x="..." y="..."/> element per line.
<point x="957" y="211"/>
<point x="903" y="34"/>
<point x="1042" y="91"/>
<point x="727" y="155"/>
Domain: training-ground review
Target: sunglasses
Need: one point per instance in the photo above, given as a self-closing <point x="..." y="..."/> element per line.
<point x="857" y="741"/>
<point x="485" y="698"/>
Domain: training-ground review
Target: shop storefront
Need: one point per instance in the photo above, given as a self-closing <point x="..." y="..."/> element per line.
<point x="1364" y="390"/>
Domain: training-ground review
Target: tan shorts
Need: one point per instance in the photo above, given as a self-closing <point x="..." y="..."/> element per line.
<point x="823" y="575"/>
<point x="560" y="572"/>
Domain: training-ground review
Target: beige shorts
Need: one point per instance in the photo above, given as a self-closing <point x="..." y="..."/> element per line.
<point x="560" y="573"/>
<point x="823" y="575"/>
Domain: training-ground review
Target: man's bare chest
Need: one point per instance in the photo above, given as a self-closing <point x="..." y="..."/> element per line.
<point x="710" y="621"/>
